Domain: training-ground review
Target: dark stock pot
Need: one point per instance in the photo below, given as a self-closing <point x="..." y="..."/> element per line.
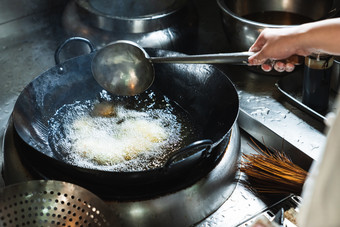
<point x="202" y="90"/>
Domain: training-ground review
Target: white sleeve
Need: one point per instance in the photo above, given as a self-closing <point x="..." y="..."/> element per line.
<point x="321" y="193"/>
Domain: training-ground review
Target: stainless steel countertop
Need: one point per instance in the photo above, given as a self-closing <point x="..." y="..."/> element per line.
<point x="29" y="35"/>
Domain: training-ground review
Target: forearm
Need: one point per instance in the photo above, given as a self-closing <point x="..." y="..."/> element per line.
<point x="320" y="37"/>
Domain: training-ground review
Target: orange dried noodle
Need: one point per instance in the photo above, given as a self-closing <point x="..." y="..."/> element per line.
<point x="271" y="172"/>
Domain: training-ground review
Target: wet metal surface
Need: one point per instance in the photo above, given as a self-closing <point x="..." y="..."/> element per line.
<point x="268" y="116"/>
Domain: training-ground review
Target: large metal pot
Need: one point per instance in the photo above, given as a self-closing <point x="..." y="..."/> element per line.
<point x="170" y="25"/>
<point x="244" y="19"/>
<point x="201" y="90"/>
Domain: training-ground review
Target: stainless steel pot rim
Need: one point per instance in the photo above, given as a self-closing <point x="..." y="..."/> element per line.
<point x="85" y="4"/>
<point x="142" y="24"/>
<point x="225" y="9"/>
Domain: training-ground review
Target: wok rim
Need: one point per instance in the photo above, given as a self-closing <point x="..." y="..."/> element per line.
<point x="19" y="130"/>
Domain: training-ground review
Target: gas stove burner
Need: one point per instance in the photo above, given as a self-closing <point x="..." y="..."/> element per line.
<point x="180" y="205"/>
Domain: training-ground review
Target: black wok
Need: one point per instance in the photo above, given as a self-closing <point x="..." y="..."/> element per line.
<point x="201" y="90"/>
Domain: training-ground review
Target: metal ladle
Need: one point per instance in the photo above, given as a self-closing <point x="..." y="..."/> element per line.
<point x="125" y="68"/>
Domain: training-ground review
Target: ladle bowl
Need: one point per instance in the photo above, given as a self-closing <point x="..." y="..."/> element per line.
<point x="125" y="68"/>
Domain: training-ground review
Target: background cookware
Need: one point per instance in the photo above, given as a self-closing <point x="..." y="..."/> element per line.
<point x="171" y="25"/>
<point x="243" y="20"/>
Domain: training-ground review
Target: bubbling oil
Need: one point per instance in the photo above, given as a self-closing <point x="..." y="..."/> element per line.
<point x="145" y="129"/>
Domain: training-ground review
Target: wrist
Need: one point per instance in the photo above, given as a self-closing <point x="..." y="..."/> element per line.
<point x="303" y="40"/>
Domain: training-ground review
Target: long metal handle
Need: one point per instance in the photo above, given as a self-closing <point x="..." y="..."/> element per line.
<point x="235" y="58"/>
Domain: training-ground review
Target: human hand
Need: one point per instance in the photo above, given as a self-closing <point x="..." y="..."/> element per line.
<point x="278" y="49"/>
<point x="286" y="65"/>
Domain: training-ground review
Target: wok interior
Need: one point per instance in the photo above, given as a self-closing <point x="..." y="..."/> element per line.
<point x="201" y="90"/>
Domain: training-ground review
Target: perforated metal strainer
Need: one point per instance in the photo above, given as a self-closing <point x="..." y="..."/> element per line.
<point x="52" y="203"/>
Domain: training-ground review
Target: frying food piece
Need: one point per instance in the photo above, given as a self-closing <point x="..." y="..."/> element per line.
<point x="143" y="135"/>
<point x="106" y="143"/>
<point x="104" y="109"/>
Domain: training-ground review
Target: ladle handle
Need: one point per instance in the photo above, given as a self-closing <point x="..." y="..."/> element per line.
<point x="234" y="58"/>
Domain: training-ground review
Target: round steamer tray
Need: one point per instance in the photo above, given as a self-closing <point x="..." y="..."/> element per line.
<point x="52" y="203"/>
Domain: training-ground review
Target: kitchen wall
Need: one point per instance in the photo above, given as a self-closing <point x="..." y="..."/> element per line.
<point x="20" y="17"/>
